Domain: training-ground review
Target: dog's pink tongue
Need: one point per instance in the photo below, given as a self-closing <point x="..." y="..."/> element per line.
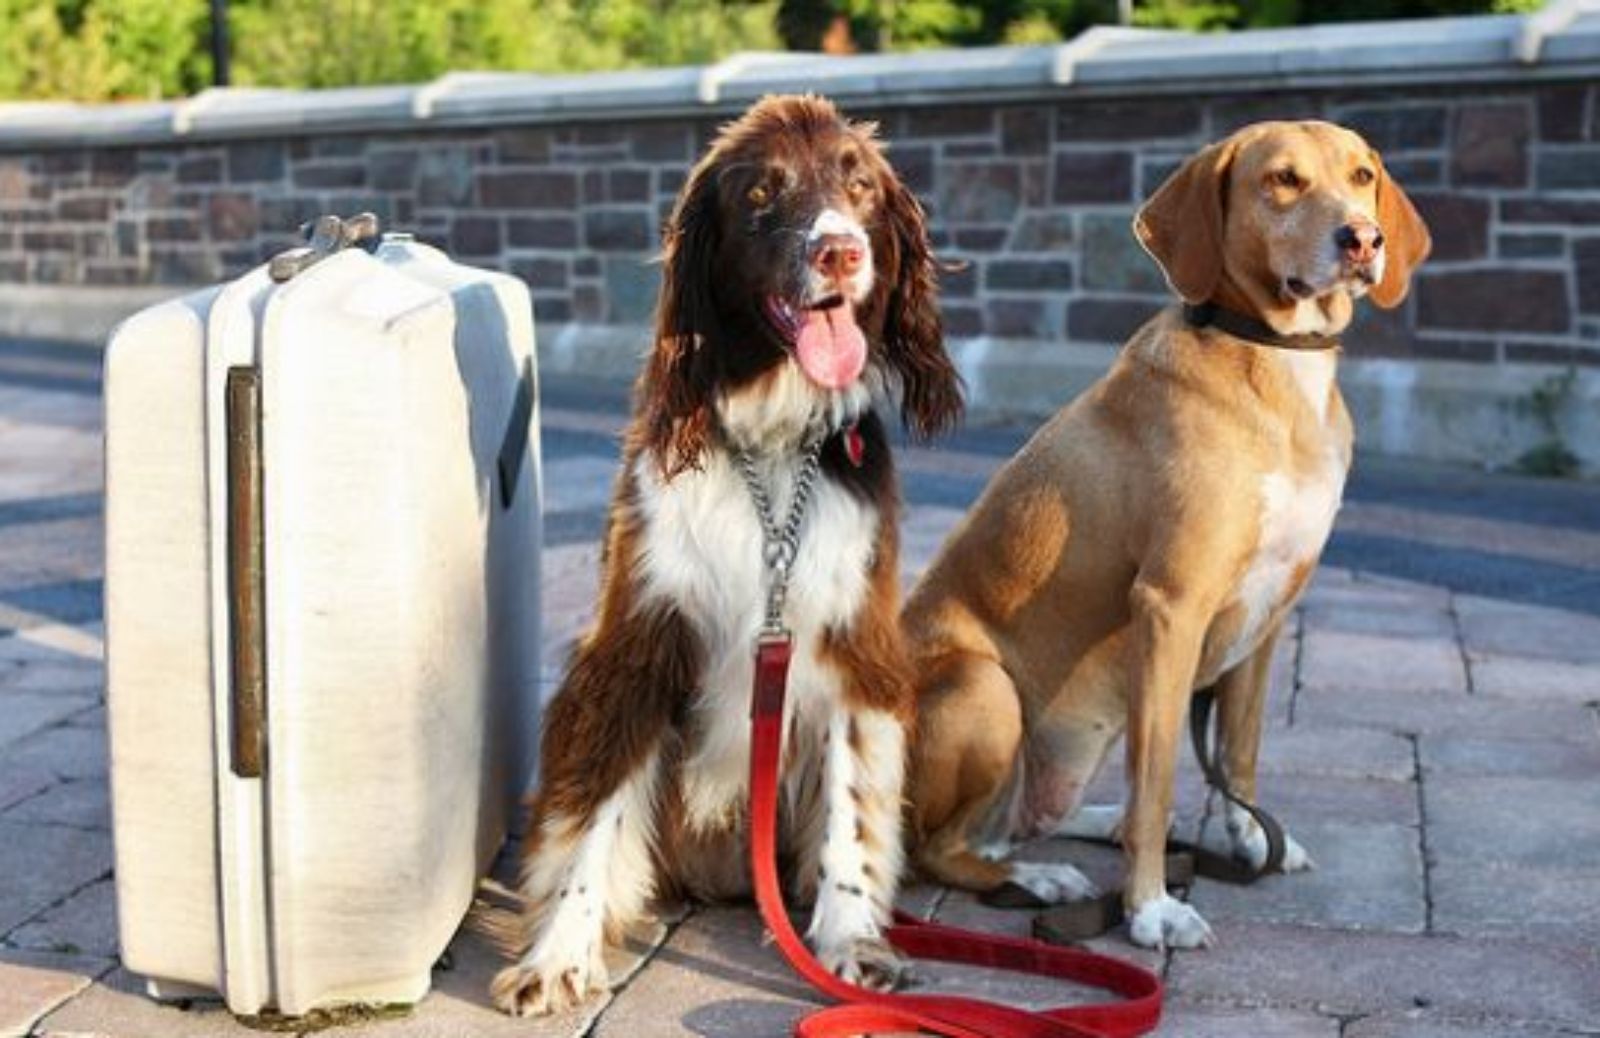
<point x="831" y="349"/>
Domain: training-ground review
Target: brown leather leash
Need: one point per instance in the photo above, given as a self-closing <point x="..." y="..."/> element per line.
<point x="1082" y="920"/>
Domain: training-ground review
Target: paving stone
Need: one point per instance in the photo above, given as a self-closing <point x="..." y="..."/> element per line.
<point x="1181" y="1019"/>
<point x="1495" y="627"/>
<point x="1298" y="799"/>
<point x="28" y="993"/>
<point x="1383" y="616"/>
<point x="1491" y="900"/>
<point x="84" y="924"/>
<point x="22" y="714"/>
<point x="1539" y="758"/>
<point x="1445" y="714"/>
<point x="1510" y="820"/>
<point x="1351" y="752"/>
<point x="1421" y="1023"/>
<point x="118" y="1006"/>
<point x="1523" y="677"/>
<point x="80" y="803"/>
<point x="86" y="966"/>
<point x="19" y="783"/>
<point x="1368" y="877"/>
<point x="65" y="751"/>
<point x="963" y="909"/>
<point x="714" y="977"/>
<point x="42" y="864"/>
<point x="1350" y="973"/>
<point x="1343" y="659"/>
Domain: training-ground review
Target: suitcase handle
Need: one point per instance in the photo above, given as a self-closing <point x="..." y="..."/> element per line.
<point x="325" y="236"/>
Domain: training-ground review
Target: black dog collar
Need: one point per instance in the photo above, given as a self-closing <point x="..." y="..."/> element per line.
<point x="1251" y="329"/>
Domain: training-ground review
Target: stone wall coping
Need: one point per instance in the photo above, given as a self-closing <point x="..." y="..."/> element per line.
<point x="1562" y="41"/>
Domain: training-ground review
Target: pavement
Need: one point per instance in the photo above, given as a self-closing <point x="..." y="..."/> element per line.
<point x="1434" y="742"/>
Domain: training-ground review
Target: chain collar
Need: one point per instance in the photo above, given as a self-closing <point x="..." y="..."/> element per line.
<point x="780" y="544"/>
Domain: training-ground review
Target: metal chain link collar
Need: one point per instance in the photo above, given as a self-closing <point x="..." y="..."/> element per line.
<point x="780" y="544"/>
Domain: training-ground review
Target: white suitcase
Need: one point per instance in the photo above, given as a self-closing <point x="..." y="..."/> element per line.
<point x="322" y="574"/>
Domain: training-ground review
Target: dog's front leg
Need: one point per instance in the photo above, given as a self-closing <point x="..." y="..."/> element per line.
<point x="587" y="869"/>
<point x="860" y="858"/>
<point x="1241" y="704"/>
<point x="1168" y="631"/>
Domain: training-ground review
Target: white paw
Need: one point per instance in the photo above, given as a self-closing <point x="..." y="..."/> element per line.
<point x="549" y="982"/>
<point x="868" y="962"/>
<point x="1052" y="883"/>
<point x="1249" y="843"/>
<point x="1166" y="922"/>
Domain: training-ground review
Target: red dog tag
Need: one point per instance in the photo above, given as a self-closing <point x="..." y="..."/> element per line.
<point x="854" y="446"/>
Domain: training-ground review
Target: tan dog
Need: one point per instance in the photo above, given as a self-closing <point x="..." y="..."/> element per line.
<point x="1151" y="538"/>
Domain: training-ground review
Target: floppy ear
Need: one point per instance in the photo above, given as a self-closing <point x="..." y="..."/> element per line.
<point x="1406" y="242"/>
<point x="913" y="332"/>
<point x="1181" y="225"/>
<point x="673" y="394"/>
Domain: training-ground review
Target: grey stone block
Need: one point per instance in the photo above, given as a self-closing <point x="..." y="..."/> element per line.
<point x="1534" y="758"/>
<point x="27" y="993"/>
<point x="1560" y="904"/>
<point x="1368" y="877"/>
<point x="84" y="924"/>
<point x="1113" y="258"/>
<point x="44" y="864"/>
<point x="80" y="803"/>
<point x="1510" y="820"/>
<point x="1357" y="973"/>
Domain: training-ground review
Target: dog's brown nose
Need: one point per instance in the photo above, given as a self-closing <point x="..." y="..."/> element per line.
<point x="1359" y="241"/>
<point x="837" y="255"/>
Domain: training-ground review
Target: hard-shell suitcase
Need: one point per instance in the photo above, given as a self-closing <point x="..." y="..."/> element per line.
<point x="322" y="574"/>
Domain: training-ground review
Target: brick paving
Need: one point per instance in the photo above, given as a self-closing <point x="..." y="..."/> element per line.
<point x="1434" y="741"/>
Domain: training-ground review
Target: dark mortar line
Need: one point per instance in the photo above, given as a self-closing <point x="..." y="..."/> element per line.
<point x="1461" y="643"/>
<point x="1422" y="837"/>
<point x="1296" y="683"/>
<point x="615" y="994"/>
<point x="57" y="903"/>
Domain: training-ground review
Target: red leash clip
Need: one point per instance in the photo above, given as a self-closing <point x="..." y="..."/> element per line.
<point x="872" y="1012"/>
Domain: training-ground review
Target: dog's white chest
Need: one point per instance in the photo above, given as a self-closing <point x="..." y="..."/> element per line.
<point x="1297" y="512"/>
<point x="702" y="551"/>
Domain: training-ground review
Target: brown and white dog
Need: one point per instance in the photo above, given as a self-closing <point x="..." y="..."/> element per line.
<point x="1152" y="537"/>
<point x="798" y="284"/>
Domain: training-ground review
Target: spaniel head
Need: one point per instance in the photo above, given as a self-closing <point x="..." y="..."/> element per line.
<point x="797" y="278"/>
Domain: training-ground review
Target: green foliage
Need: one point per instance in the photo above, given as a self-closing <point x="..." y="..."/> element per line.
<point x="1545" y="404"/>
<point x="127" y="49"/>
<point x="101" y="49"/>
<point x="337" y="42"/>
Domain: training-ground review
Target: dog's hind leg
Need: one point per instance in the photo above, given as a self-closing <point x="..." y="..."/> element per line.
<point x="967" y="787"/>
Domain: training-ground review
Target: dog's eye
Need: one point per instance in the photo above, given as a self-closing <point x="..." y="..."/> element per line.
<point x="1363" y="176"/>
<point x="759" y="195"/>
<point x="1287" y="178"/>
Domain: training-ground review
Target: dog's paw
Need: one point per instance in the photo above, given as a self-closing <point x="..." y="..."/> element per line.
<point x="1052" y="882"/>
<point x="1249" y="844"/>
<point x="869" y="962"/>
<point x="534" y="988"/>
<point x="1166" y="922"/>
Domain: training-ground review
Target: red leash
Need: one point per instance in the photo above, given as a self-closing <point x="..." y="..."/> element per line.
<point x="872" y="1012"/>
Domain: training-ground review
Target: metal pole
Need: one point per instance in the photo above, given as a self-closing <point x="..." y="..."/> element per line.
<point x="1124" y="12"/>
<point x="221" y="75"/>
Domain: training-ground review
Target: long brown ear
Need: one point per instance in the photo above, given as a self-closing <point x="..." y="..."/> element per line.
<point x="1181" y="225"/>
<point x="1406" y="242"/>
<point x="913" y="331"/>
<point x="673" y="394"/>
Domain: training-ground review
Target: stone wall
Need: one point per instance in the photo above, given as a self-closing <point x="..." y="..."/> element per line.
<point x="1034" y="198"/>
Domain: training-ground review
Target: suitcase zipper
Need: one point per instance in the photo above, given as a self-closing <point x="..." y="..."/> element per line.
<point x="246" y="575"/>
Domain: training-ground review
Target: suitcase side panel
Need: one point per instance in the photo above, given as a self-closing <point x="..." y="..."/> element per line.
<point x="495" y="356"/>
<point x="376" y="632"/>
<point x="158" y="645"/>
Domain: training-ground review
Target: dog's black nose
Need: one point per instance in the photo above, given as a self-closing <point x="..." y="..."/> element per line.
<point x="1359" y="240"/>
